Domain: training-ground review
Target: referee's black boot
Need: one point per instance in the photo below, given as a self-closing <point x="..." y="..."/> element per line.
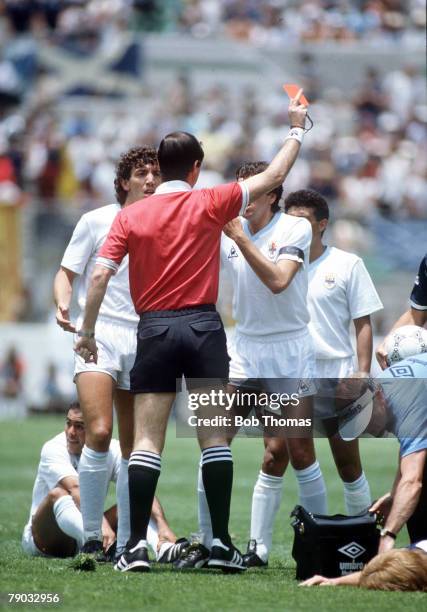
<point x="225" y="557"/>
<point x="134" y="559"/>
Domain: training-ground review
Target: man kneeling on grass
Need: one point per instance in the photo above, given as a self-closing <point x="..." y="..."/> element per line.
<point x="55" y="526"/>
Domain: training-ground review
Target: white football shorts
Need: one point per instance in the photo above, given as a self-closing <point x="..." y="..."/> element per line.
<point x="116" y="344"/>
<point x="27" y="543"/>
<point x="286" y="363"/>
<point x="324" y="403"/>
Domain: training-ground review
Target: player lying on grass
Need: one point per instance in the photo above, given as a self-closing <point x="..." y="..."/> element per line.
<point x="55" y="525"/>
<point x="417" y="313"/>
<point x="395" y="570"/>
<point x="107" y="381"/>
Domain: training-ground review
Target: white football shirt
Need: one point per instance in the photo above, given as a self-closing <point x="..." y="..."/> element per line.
<point x="57" y="463"/>
<point x="340" y="290"/>
<point x="80" y="257"/>
<point x="257" y="310"/>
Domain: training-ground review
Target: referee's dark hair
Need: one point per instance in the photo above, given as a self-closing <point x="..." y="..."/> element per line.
<point x="308" y="198"/>
<point x="250" y="169"/>
<point x="177" y="153"/>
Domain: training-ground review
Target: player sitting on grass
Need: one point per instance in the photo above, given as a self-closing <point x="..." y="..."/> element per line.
<point x="55" y="525"/>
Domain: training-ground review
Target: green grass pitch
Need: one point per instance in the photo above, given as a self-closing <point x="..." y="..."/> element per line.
<point x="162" y="589"/>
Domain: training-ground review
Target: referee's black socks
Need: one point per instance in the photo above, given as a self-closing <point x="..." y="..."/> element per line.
<point x="144" y="472"/>
<point x="217" y="472"/>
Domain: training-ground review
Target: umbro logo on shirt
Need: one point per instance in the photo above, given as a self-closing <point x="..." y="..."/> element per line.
<point x="232" y="253"/>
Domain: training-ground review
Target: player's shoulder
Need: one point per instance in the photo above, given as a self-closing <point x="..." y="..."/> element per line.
<point x="55" y="445"/>
<point x="423" y="264"/>
<point x="411" y="367"/>
<point x="101" y="214"/>
<point x="343" y="256"/>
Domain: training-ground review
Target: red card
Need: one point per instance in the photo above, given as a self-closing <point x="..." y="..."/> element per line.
<point x="292" y="89"/>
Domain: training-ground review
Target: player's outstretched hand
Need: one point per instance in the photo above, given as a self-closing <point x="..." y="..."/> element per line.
<point x="63" y="319"/>
<point x="381" y="355"/>
<point x="86" y="348"/>
<point x="318" y="580"/>
<point x="233" y="229"/>
<point x="297" y="111"/>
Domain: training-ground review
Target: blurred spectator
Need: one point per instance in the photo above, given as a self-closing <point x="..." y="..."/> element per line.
<point x="11" y="371"/>
<point x="55" y="393"/>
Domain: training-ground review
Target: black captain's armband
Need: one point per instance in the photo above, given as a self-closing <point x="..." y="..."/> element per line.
<point x="291" y="250"/>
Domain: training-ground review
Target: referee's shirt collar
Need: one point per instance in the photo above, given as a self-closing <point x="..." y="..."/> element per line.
<point x="172" y="186"/>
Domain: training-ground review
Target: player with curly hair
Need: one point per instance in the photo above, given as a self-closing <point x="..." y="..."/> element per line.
<point x="107" y="381"/>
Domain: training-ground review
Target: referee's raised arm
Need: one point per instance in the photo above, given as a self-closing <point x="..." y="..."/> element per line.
<point x="277" y="171"/>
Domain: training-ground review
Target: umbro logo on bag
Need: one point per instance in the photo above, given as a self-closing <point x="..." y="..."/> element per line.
<point x="352" y="550"/>
<point x="232" y="253"/>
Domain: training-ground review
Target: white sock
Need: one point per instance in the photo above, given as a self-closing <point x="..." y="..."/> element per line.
<point x="93" y="480"/>
<point x="357" y="495"/>
<point x="69" y="518"/>
<point x="266" y="500"/>
<point x="153" y="535"/>
<point x="205" y="525"/>
<point x="123" y="512"/>
<point x="312" y="489"/>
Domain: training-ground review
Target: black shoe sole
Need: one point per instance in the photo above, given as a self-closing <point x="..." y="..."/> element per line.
<point x="226" y="566"/>
<point x="136" y="566"/>
<point x="197" y="566"/>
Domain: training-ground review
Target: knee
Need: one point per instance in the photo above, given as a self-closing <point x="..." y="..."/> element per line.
<point x="98" y="436"/>
<point x="275" y="460"/>
<point x="302" y="456"/>
<point x="56" y="493"/>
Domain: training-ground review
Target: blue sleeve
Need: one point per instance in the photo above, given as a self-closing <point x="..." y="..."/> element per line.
<point x="419" y="291"/>
<point x="412" y="445"/>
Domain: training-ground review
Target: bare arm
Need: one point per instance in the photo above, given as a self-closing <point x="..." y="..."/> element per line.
<point x="406" y="495"/>
<point x="364" y="342"/>
<point x="62" y="293"/>
<point x="277" y="277"/>
<point x="71" y="485"/>
<point x="347" y="580"/>
<point x="279" y="168"/>
<point x="86" y="346"/>
<point x="411" y="317"/>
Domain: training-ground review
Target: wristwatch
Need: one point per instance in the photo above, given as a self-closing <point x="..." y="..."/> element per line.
<point x="385" y="532"/>
<point x="85" y="334"/>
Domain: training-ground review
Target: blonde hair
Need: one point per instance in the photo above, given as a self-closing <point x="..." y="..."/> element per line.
<point x="396" y="570"/>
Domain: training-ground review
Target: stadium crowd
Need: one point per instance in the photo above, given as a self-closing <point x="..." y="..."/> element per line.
<point x="265" y="22"/>
<point x="367" y="156"/>
<point x="370" y="156"/>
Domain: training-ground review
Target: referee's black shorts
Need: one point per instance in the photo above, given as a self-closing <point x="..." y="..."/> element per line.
<point x="173" y="343"/>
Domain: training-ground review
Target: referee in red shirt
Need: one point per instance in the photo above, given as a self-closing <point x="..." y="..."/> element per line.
<point x="173" y="240"/>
